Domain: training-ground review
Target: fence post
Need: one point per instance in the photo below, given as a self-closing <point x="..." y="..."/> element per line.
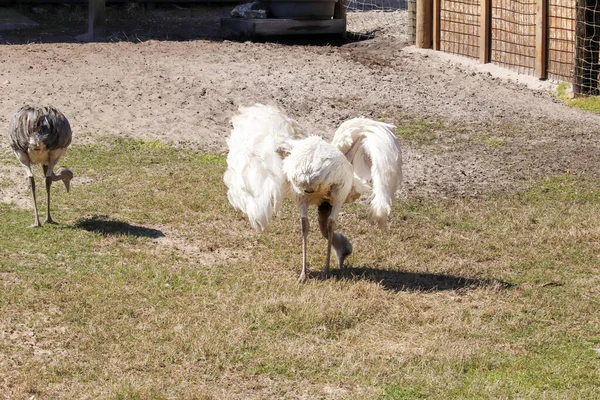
<point x="96" y="21"/>
<point x="485" y="31"/>
<point x="339" y="12"/>
<point x="424" y="24"/>
<point x="437" y="9"/>
<point x="541" y="19"/>
<point x="585" y="75"/>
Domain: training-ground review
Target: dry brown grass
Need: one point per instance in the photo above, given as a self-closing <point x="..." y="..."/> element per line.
<point x="153" y="287"/>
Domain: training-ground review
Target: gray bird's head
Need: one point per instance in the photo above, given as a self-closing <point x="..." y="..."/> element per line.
<point x="65" y="174"/>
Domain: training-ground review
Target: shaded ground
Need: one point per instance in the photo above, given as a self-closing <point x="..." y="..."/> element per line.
<point x="465" y="131"/>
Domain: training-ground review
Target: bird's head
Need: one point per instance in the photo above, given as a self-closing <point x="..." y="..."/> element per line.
<point x="65" y="174"/>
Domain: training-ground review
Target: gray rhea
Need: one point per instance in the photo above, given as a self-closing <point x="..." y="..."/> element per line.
<point x="41" y="135"/>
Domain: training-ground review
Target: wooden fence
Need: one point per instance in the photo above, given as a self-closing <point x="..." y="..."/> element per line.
<point x="535" y="37"/>
<point x="459" y="27"/>
<point x="561" y="39"/>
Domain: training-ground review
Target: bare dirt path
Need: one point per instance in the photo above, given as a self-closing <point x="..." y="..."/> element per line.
<point x="475" y="131"/>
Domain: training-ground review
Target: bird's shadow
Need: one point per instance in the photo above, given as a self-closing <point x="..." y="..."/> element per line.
<point x="108" y="227"/>
<point x="416" y="282"/>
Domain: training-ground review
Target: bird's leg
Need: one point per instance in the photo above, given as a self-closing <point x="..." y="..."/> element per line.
<point x="24" y="158"/>
<point x="49" y="219"/>
<point x="36" y="221"/>
<point x="330" y="230"/>
<point x="303" y="274"/>
<point x="305" y="227"/>
<point x="48" y="174"/>
<point x="340" y="243"/>
<point x="335" y="207"/>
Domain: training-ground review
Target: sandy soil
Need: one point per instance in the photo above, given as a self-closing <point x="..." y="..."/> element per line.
<point x="495" y="131"/>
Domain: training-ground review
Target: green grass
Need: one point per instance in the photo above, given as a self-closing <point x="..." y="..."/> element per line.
<point x="153" y="287"/>
<point x="418" y="131"/>
<point x="590" y="103"/>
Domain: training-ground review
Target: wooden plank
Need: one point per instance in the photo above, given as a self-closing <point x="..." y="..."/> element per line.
<point x="272" y="26"/>
<point x="541" y="36"/>
<point x="424" y="24"/>
<point x="485" y="31"/>
<point x="437" y="10"/>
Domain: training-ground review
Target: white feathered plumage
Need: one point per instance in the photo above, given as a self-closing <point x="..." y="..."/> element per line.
<point x="270" y="157"/>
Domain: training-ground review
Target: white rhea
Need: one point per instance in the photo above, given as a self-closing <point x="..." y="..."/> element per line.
<point x="270" y="157"/>
<point x="41" y="135"/>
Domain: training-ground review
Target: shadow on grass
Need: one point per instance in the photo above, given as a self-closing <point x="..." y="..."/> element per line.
<point x="107" y="227"/>
<point x="412" y="281"/>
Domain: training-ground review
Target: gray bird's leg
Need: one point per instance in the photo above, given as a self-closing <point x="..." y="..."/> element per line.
<point x="48" y="175"/>
<point x="304" y="221"/>
<point x="341" y="244"/>
<point x="49" y="172"/>
<point x="330" y="231"/>
<point x="24" y="159"/>
<point x="36" y="221"/>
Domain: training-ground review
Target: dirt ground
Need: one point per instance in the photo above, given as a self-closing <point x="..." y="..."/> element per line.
<point x="171" y="74"/>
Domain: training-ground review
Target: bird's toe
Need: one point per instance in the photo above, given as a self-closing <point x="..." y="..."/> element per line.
<point x="342" y="257"/>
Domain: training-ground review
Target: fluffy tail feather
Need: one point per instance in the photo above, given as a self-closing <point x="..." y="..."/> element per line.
<point x="260" y="138"/>
<point x="375" y="154"/>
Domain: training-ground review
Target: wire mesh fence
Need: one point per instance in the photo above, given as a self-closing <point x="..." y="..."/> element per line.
<point x="587" y="45"/>
<point x="459" y="27"/>
<point x="371" y="18"/>
<point x="571" y="33"/>
<point x="513" y="34"/>
<point x="561" y="39"/>
<point x="565" y="48"/>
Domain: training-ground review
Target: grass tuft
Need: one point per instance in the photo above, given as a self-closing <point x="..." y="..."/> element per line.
<point x="589" y="103"/>
<point x="418" y="131"/>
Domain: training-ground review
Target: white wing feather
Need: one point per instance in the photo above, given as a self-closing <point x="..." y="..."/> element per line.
<point x="375" y="154"/>
<point x="260" y="137"/>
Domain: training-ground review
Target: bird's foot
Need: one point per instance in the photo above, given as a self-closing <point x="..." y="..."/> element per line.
<point x="50" y="221"/>
<point x="36" y="225"/>
<point x="302" y="278"/>
<point x="342" y="257"/>
<point x="341" y="261"/>
<point x="326" y="274"/>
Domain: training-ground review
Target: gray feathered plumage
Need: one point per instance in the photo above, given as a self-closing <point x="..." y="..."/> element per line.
<point x="39" y="125"/>
<point x="41" y="135"/>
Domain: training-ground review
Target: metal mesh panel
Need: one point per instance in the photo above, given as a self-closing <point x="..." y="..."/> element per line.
<point x="370" y="18"/>
<point x="459" y="27"/>
<point x="513" y="34"/>
<point x="561" y="39"/>
<point x="587" y="31"/>
<point x="412" y="21"/>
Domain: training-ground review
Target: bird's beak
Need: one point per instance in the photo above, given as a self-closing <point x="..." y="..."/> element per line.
<point x="67" y="183"/>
